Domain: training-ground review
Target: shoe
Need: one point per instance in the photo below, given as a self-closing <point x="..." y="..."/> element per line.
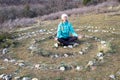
<point x="65" y="47"/>
<point x="70" y="46"/>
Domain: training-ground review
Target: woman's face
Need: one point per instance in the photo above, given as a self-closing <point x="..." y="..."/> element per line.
<point x="64" y="19"/>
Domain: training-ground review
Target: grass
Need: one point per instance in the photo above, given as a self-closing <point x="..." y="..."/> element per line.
<point x="97" y="21"/>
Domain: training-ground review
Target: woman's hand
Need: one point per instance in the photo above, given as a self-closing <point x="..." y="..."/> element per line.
<point x="80" y="36"/>
<point x="56" y="39"/>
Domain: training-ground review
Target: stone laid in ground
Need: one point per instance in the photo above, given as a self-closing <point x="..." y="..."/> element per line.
<point x="90" y="63"/>
<point x="112" y="76"/>
<point x="34" y="78"/>
<point x="4" y="51"/>
<point x="6" y="76"/>
<point x="62" y="68"/>
<point x="21" y="64"/>
<point x="1" y="67"/>
<point x="17" y="78"/>
<point x="100" y="56"/>
<point x="37" y="66"/>
<point x="10" y="60"/>
<point x="81" y="52"/>
<point x="69" y="46"/>
<point x="79" y="68"/>
<point x="34" y="33"/>
<point x="26" y="78"/>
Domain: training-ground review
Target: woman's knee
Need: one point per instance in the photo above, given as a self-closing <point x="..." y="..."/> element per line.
<point x="74" y="38"/>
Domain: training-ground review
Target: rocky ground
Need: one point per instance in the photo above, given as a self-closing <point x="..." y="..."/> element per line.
<point x="35" y="57"/>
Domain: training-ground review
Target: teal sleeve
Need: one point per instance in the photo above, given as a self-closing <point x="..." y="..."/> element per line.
<point x="72" y="31"/>
<point x="58" y="31"/>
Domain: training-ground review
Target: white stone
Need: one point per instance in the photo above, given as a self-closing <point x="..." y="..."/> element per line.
<point x="21" y="64"/>
<point x="37" y="66"/>
<point x="65" y="47"/>
<point x="4" y="51"/>
<point x="103" y="42"/>
<point x="90" y="63"/>
<point x="65" y="55"/>
<point x="6" y="60"/>
<point x="17" y="77"/>
<point x="56" y="56"/>
<point x="62" y="68"/>
<point x="2" y="68"/>
<point x="31" y="47"/>
<point x="112" y="76"/>
<point x="96" y="30"/>
<point x="79" y="68"/>
<point x="56" y="45"/>
<point x="12" y="60"/>
<point x="80" y="52"/>
<point x="101" y="58"/>
<point x="99" y="54"/>
<point x="26" y="78"/>
<point x="34" y="78"/>
<point x="7" y="77"/>
<point x="1" y="76"/>
<point x="70" y="46"/>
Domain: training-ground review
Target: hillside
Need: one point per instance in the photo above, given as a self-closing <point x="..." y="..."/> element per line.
<point x="21" y="13"/>
<point x="95" y="58"/>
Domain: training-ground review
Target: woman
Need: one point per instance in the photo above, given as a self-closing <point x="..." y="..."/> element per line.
<point x="65" y="32"/>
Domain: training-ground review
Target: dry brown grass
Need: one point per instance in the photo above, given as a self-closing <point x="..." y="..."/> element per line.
<point x="110" y="66"/>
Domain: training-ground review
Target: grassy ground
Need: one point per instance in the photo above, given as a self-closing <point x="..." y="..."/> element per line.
<point x="84" y="23"/>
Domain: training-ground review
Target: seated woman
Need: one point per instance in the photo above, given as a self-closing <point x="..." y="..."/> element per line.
<point x="65" y="32"/>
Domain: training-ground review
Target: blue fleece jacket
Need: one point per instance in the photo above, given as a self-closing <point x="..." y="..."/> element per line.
<point x="65" y="30"/>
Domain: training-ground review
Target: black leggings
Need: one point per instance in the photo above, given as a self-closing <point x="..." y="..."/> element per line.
<point x="67" y="41"/>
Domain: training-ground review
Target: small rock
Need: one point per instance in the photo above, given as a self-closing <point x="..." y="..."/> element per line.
<point x="79" y="68"/>
<point x="70" y="46"/>
<point x="34" y="78"/>
<point x="81" y="52"/>
<point x="56" y="45"/>
<point x="6" y="60"/>
<point x="62" y="68"/>
<point x="65" y="47"/>
<point x="37" y="66"/>
<point x="32" y="47"/>
<point x="1" y="76"/>
<point x="65" y="55"/>
<point x="21" y="64"/>
<point x="100" y="54"/>
<point x="26" y="78"/>
<point x="17" y="78"/>
<point x="96" y="30"/>
<point x="12" y="61"/>
<point x="7" y="77"/>
<point x="4" y="51"/>
<point x="101" y="58"/>
<point x="103" y="42"/>
<point x="2" y="68"/>
<point x="90" y="63"/>
<point x="112" y="76"/>
<point x="56" y="56"/>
